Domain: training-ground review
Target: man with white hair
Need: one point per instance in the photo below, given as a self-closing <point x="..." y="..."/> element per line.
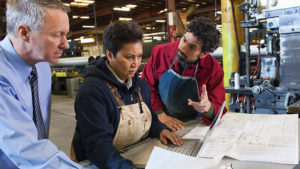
<point x="36" y="36"/>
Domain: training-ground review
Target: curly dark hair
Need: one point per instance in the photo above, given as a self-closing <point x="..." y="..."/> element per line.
<point x="120" y="32"/>
<point x="205" y="31"/>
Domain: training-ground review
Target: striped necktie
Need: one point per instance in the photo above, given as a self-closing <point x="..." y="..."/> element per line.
<point x="37" y="114"/>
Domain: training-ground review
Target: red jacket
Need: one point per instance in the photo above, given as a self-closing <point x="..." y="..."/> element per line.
<point x="209" y="72"/>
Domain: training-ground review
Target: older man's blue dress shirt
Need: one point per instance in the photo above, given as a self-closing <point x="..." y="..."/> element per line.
<point x="19" y="144"/>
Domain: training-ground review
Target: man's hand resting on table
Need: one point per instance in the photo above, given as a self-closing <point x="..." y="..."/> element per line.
<point x="166" y="135"/>
<point x="171" y="122"/>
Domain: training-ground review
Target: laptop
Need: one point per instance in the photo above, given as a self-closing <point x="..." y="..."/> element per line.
<point x="193" y="147"/>
<point x="140" y="152"/>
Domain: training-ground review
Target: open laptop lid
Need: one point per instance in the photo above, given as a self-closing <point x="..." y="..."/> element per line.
<point x="211" y="127"/>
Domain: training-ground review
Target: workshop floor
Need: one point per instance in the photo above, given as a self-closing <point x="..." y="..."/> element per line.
<point x="62" y="123"/>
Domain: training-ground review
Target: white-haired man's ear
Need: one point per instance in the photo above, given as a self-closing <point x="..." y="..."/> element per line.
<point x="23" y="32"/>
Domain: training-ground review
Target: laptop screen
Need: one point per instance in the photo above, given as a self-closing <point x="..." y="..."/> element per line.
<point x="211" y="127"/>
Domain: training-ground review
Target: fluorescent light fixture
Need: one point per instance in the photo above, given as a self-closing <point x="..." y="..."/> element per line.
<point x="148" y="28"/>
<point x="75" y="16"/>
<point x="131" y="6"/>
<point x="66" y="4"/>
<point x="87" y="40"/>
<point x="165" y="10"/>
<point x="77" y="39"/>
<point x="197" y="5"/>
<point x="147" y="41"/>
<point x="69" y="40"/>
<point x="122" y="9"/>
<point x="160" y="21"/>
<point x="88" y="26"/>
<point x="147" y="37"/>
<point x="157" y="37"/>
<point x="79" y="4"/>
<point x="156" y="33"/>
<point x="84" y="17"/>
<point x="125" y="19"/>
<point x="85" y="1"/>
<point x="83" y="4"/>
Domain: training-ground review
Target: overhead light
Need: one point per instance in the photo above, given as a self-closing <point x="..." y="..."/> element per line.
<point x="147" y="41"/>
<point x="122" y="9"/>
<point x="131" y="6"/>
<point x="147" y="37"/>
<point x="197" y="5"/>
<point x="87" y="40"/>
<point x="160" y="21"/>
<point x="88" y="26"/>
<point x="164" y="10"/>
<point x="203" y="3"/>
<point x="75" y="16"/>
<point x="156" y="33"/>
<point x="85" y="1"/>
<point x="125" y="19"/>
<point x="84" y="17"/>
<point x="148" y="28"/>
<point x="157" y="37"/>
<point x="79" y="4"/>
<point x="66" y="4"/>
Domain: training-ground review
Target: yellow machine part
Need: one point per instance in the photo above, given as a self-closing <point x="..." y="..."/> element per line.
<point x="232" y="37"/>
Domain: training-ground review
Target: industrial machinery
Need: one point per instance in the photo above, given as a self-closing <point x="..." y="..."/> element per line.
<point x="275" y="85"/>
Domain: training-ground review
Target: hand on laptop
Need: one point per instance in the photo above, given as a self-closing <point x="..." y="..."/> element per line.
<point x="171" y="122"/>
<point x="166" y="135"/>
<point x="204" y="104"/>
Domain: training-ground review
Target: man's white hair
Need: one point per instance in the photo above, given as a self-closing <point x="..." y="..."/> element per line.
<point x="29" y="12"/>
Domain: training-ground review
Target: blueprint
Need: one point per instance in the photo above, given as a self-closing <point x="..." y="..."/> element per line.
<point x="255" y="137"/>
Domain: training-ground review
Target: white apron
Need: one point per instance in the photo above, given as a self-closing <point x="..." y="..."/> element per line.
<point x="135" y="120"/>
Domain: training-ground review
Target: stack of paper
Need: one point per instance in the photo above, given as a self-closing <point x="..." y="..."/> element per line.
<point x="255" y="137"/>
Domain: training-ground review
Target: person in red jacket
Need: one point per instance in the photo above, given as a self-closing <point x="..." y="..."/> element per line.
<point x="186" y="82"/>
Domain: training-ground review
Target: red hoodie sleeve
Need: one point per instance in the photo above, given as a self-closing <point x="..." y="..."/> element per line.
<point x="216" y="92"/>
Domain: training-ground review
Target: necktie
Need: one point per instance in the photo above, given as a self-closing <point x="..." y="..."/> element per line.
<point x="37" y="114"/>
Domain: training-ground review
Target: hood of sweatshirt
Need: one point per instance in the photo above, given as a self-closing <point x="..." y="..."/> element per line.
<point x="99" y="69"/>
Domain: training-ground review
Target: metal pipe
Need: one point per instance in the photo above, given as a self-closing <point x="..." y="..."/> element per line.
<point x="96" y="27"/>
<point x="247" y="45"/>
<point x="72" y="61"/>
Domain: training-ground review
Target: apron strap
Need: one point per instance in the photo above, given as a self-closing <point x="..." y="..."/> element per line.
<point x="115" y="93"/>
<point x="139" y="98"/>
<point x="196" y="69"/>
<point x="173" y="63"/>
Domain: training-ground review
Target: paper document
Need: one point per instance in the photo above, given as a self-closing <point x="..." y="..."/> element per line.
<point x="255" y="137"/>
<point x="161" y="158"/>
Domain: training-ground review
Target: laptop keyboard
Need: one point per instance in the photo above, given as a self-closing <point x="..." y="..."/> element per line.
<point x="189" y="147"/>
<point x="187" y="127"/>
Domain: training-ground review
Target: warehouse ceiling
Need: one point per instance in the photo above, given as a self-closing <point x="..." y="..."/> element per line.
<point x="146" y="13"/>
